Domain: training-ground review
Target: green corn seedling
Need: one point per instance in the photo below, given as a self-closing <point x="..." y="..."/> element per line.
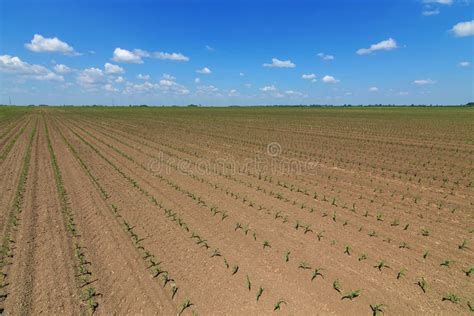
<point x="259" y="292"/>
<point x="186" y="304"/>
<point x="351" y="295"/>
<point x="317" y="272"/>
<point x="451" y="297"/>
<point x="337" y="286"/>
<point x="423" y="284"/>
<point x="377" y="309"/>
<point x="278" y="304"/>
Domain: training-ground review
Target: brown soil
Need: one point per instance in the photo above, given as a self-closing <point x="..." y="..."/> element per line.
<point x="384" y="191"/>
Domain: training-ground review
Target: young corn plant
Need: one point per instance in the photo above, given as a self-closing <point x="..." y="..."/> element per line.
<point x="317" y="272"/>
<point x="404" y="245"/>
<point x="303" y="265"/>
<point x="401" y="274"/>
<point x="451" y="298"/>
<point x="278" y="304"/>
<point x="249" y="284"/>
<point x="348" y="250"/>
<point x="376" y="309"/>
<point x="395" y="222"/>
<point x="362" y="257"/>
<point x="463" y="245"/>
<point x="185" y="305"/>
<point x="266" y="244"/>
<point x="320" y="235"/>
<point x="381" y="265"/>
<point x="470" y="306"/>
<point x="351" y="295"/>
<point x="423" y="284"/>
<point x="426" y="254"/>
<point x="337" y="286"/>
<point x="446" y="263"/>
<point x="287" y="256"/>
<point x="235" y="269"/>
<point x="259" y="292"/>
<point x="469" y="271"/>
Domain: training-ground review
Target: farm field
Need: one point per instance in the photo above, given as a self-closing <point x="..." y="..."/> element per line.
<point x="237" y="211"/>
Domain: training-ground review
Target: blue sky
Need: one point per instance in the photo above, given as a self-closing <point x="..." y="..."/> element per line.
<point x="237" y="52"/>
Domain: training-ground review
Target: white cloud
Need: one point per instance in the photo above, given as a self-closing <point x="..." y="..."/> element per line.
<point x="207" y="89"/>
<point x="325" y="57"/>
<point x="204" y="71"/>
<point x="108" y="87"/>
<point x="330" y="79"/>
<point x="126" y="56"/>
<point x="311" y="77"/>
<point x="41" y="44"/>
<point x="197" y="80"/>
<point x="143" y="77"/>
<point x="403" y="93"/>
<point x="422" y="82"/>
<point x="113" y="69"/>
<point x="293" y="93"/>
<point x="50" y="76"/>
<point x="120" y="79"/>
<point x="233" y="93"/>
<point x="463" y="29"/>
<point x="171" y="56"/>
<point x="447" y="2"/>
<point x="388" y="44"/>
<point x="14" y="65"/>
<point x="62" y="69"/>
<point x="373" y="89"/>
<point x="209" y="48"/>
<point x="276" y="63"/>
<point x="464" y="64"/>
<point x="90" y="77"/>
<point x="141" y="52"/>
<point x="430" y="12"/>
<point x="169" y="77"/>
<point x="271" y="88"/>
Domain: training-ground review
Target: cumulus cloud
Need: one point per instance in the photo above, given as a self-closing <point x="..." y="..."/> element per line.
<point x="110" y="88"/>
<point x="292" y="93"/>
<point x="204" y="71"/>
<point x="197" y="80"/>
<point x="143" y="77"/>
<point x="90" y="77"/>
<point x="50" y="76"/>
<point x="446" y="2"/>
<point x="388" y="44"/>
<point x="14" y="65"/>
<point x="62" y="69"/>
<point x="171" y="56"/>
<point x="463" y="29"/>
<point x="330" y="79"/>
<point x="126" y="56"/>
<point x="430" y="12"/>
<point x="325" y="57"/>
<point x="276" y="63"/>
<point x="271" y="88"/>
<point x="373" y="89"/>
<point x="113" y="69"/>
<point x="464" y="64"/>
<point x="423" y="82"/>
<point x="120" y="79"/>
<point x="311" y="77"/>
<point x="40" y="44"/>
